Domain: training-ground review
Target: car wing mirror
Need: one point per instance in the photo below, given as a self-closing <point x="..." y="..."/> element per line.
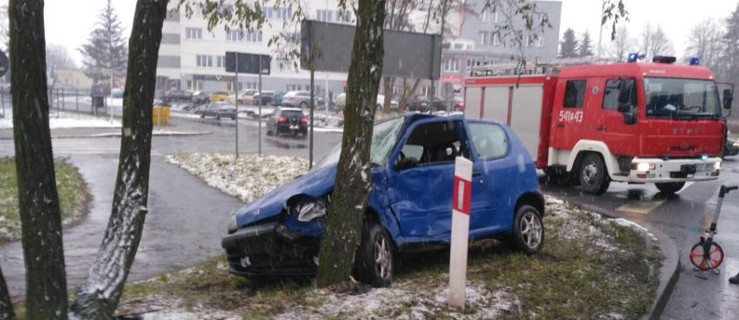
<point x="406" y="163"/>
<point x="728" y="98"/>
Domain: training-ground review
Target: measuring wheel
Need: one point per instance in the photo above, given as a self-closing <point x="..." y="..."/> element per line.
<point x="706" y="260"/>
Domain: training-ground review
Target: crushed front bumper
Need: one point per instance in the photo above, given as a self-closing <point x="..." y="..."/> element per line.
<point x="270" y="249"/>
<point x="673" y="170"/>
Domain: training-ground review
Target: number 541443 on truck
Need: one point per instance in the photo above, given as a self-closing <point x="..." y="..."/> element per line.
<point x="656" y="122"/>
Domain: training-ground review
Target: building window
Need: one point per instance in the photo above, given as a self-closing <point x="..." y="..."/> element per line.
<point x="324" y="15"/>
<point x="284" y="13"/>
<point x="294" y="87"/>
<point x="267" y="12"/>
<point x="194" y="85"/>
<point x="204" y="60"/>
<point x="230" y="86"/>
<point x="291" y="37"/>
<point x="194" y="33"/>
<point x="485" y="15"/>
<point x="484" y="37"/>
<point x="234" y="35"/>
<point x="458" y="46"/>
<point x="251" y="86"/>
<point x="451" y="65"/>
<point x="344" y="16"/>
<point x="539" y="41"/>
<point x="220" y="61"/>
<point x="253" y="36"/>
<point x="496" y="39"/>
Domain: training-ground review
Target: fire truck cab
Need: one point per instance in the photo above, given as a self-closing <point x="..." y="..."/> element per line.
<point x="655" y="123"/>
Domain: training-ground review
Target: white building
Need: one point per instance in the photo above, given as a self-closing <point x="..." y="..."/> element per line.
<point x="191" y="57"/>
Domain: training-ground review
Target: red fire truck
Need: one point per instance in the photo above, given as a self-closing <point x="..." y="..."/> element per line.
<point x="632" y="122"/>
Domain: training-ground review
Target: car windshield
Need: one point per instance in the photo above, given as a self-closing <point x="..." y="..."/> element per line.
<point x="384" y="136"/>
<point x="681" y="98"/>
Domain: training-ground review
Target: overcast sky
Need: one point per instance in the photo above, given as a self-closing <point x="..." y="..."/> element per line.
<point x="69" y="22"/>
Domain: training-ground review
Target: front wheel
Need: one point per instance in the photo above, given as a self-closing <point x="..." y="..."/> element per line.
<point x="376" y="257"/>
<point x="594" y="177"/>
<point x="706" y="260"/>
<point x="670" y="187"/>
<point x="528" y="230"/>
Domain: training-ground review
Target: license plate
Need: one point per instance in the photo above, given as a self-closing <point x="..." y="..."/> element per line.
<point x="293" y="127"/>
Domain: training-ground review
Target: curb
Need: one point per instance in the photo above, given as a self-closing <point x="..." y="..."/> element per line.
<point x="668" y="275"/>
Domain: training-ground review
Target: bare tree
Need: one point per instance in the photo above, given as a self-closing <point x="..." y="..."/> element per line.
<point x="655" y="42"/>
<point x="622" y="44"/>
<point x="58" y="57"/>
<point x="704" y="41"/>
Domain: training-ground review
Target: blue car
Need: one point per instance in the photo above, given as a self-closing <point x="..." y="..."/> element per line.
<point x="410" y="205"/>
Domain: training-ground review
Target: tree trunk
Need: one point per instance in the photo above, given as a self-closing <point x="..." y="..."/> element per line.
<point x="6" y="305"/>
<point x="350" y="195"/>
<point x="41" y="230"/>
<point x="99" y="295"/>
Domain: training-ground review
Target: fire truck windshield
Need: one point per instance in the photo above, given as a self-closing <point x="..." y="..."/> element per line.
<point x="678" y="98"/>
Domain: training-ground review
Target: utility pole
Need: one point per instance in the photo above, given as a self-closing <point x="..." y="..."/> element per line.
<point x="600" y="32"/>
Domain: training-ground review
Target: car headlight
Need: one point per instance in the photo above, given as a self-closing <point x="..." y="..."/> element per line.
<point x="736" y="143"/>
<point x="232" y="227"/>
<point x="309" y="210"/>
<point x="717" y="165"/>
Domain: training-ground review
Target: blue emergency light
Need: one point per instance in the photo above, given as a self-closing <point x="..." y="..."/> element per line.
<point x="694" y="61"/>
<point x="633" y="57"/>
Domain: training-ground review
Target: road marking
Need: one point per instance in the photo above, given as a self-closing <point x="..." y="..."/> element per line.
<point x="641" y="207"/>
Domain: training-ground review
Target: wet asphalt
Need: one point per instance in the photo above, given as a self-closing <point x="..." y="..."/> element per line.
<point x="186" y="218"/>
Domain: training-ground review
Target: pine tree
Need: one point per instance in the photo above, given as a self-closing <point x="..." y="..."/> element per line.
<point x="585" y="48"/>
<point x="106" y="47"/>
<point x="568" y="46"/>
<point x="730" y="54"/>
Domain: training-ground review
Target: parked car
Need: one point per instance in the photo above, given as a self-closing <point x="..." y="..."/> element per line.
<point x="178" y="95"/>
<point x="410" y="202"/>
<point x="117" y="93"/>
<point x="340" y="101"/>
<point x="421" y="103"/>
<point x="218" y="110"/>
<point x="266" y="97"/>
<point x="296" y="99"/>
<point x="277" y="98"/>
<point x="458" y="103"/>
<point x="217" y="96"/>
<point x="199" y="97"/>
<point x="287" y="120"/>
<point x="246" y="97"/>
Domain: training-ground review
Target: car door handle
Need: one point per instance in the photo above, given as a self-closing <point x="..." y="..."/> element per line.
<point x="560" y="124"/>
<point x="600" y="128"/>
<point x="476" y="173"/>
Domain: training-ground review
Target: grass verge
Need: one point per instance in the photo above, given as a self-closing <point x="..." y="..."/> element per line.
<point x="590" y="268"/>
<point x="73" y="197"/>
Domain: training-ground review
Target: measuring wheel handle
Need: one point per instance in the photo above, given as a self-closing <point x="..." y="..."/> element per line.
<point x="726" y="189"/>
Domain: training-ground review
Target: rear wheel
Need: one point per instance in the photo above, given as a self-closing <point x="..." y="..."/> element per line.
<point x="706" y="260"/>
<point x="670" y="187"/>
<point x="593" y="174"/>
<point x="376" y="257"/>
<point x="528" y="230"/>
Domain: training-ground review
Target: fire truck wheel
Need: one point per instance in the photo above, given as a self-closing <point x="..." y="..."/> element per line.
<point x="670" y="187"/>
<point x="594" y="177"/>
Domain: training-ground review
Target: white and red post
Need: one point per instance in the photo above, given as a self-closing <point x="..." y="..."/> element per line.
<point x="460" y="232"/>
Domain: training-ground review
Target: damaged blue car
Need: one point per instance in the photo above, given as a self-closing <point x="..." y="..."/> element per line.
<point x="410" y="204"/>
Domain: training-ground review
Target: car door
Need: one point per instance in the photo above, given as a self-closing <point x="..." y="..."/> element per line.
<point x="421" y="194"/>
<point x="494" y="175"/>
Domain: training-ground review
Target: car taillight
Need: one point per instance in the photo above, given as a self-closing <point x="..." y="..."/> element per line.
<point x="304" y="120"/>
<point x="281" y="119"/>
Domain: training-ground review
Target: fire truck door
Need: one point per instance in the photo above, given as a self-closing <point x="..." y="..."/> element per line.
<point x="617" y="125"/>
<point x="568" y="114"/>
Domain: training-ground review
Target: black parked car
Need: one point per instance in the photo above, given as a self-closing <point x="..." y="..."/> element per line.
<point x="178" y="95"/>
<point x="218" y="110"/>
<point x="200" y="97"/>
<point x="266" y="98"/>
<point x="287" y="120"/>
<point x="421" y="103"/>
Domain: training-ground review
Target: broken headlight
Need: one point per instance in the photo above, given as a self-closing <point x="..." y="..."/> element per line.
<point x="311" y="209"/>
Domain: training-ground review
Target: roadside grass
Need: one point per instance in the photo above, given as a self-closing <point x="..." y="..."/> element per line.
<point x="590" y="267"/>
<point x="73" y="197"/>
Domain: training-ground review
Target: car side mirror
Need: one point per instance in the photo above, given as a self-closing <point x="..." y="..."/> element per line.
<point x="728" y="98"/>
<point x="406" y="163"/>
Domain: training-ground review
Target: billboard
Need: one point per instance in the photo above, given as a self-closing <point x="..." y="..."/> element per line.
<point x="247" y="62"/>
<point x="407" y="54"/>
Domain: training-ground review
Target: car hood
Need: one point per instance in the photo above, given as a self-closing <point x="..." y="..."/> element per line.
<point x="315" y="183"/>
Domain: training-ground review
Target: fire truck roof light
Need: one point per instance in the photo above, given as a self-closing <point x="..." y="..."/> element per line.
<point x="694" y="61"/>
<point x="664" y="59"/>
<point x="633" y="57"/>
<point x="704" y="157"/>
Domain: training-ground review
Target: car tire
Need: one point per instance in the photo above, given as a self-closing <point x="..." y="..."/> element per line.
<point x="593" y="175"/>
<point x="558" y="176"/>
<point x="202" y="115"/>
<point x="670" y="187"/>
<point x="528" y="230"/>
<point x="376" y="257"/>
<point x="269" y="132"/>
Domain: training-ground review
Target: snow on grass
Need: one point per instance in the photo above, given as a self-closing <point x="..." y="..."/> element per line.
<point x="65" y="120"/>
<point x="248" y="177"/>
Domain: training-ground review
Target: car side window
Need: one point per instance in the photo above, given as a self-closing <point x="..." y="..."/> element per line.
<point x="489" y="140"/>
<point x="574" y="93"/>
<point x="434" y="143"/>
<point x="619" y="92"/>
